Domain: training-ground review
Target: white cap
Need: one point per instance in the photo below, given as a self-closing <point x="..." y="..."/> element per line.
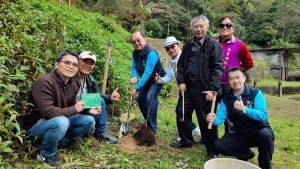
<point x="87" y="55"/>
<point x="171" y="40"/>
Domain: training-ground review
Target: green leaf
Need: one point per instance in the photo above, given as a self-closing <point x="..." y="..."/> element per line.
<point x="12" y="88"/>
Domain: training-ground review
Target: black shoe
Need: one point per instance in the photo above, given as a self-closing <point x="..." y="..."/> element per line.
<point x="106" y="137"/>
<point x="179" y="144"/>
<point x="212" y="156"/>
<point x="247" y="156"/>
<point x="251" y="155"/>
<point x="51" y="161"/>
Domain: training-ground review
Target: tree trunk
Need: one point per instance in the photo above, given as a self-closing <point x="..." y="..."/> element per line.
<point x="108" y="49"/>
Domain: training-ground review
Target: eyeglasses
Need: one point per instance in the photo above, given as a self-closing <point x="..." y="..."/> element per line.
<point x="227" y="25"/>
<point x="88" y="62"/>
<point x="69" y="63"/>
<point x="136" y="41"/>
<point x="169" y="47"/>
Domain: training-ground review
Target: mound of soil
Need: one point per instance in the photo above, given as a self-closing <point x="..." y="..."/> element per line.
<point x="144" y="137"/>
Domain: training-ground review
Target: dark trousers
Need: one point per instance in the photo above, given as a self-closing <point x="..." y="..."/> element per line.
<point x="225" y="91"/>
<point x="194" y="99"/>
<point x="238" y="144"/>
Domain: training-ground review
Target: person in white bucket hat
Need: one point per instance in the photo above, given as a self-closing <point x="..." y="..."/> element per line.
<point x="172" y="46"/>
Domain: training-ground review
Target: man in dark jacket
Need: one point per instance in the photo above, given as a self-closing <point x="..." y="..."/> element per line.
<point x="145" y="64"/>
<point x="88" y="84"/>
<point x="246" y="108"/>
<point x="198" y="70"/>
<point x="55" y="116"/>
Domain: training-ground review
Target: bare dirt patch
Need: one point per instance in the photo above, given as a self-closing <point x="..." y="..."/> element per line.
<point x="128" y="144"/>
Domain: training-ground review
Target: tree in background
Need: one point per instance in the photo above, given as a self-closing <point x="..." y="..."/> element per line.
<point x="268" y="23"/>
<point x="153" y="28"/>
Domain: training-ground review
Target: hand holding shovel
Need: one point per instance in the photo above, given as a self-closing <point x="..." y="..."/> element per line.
<point x="212" y="109"/>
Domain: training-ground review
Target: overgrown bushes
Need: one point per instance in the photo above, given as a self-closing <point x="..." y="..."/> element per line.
<point x="32" y="33"/>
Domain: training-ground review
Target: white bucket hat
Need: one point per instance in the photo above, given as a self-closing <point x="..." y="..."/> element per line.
<point x="171" y="40"/>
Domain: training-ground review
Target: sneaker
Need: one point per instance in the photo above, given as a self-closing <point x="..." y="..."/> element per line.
<point x="80" y="140"/>
<point x="51" y="161"/>
<point x="247" y="156"/>
<point x="178" y="139"/>
<point x="106" y="137"/>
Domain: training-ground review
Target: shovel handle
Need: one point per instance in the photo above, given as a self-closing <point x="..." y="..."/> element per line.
<point x="212" y="110"/>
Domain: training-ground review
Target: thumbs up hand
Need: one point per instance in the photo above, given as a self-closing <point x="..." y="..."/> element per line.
<point x="157" y="78"/>
<point x="115" y="96"/>
<point x="239" y="105"/>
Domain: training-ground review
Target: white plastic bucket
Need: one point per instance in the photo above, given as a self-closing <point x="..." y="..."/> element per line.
<point x="228" y="163"/>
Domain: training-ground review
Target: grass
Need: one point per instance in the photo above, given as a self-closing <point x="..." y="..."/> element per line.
<point x="284" y="117"/>
<point x="274" y="82"/>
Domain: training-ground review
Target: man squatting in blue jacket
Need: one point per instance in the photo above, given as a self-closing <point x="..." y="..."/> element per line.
<point x="246" y="109"/>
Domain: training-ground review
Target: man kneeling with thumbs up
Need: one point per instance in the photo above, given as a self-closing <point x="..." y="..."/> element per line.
<point x="246" y="109"/>
<point x="87" y="84"/>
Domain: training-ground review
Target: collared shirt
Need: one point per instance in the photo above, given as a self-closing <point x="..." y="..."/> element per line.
<point x="83" y="89"/>
<point x="231" y="39"/>
<point x="171" y="72"/>
<point x="197" y="44"/>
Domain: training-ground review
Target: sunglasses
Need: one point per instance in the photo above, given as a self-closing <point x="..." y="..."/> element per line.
<point x="69" y="63"/>
<point x="227" y="25"/>
<point x="169" y="47"/>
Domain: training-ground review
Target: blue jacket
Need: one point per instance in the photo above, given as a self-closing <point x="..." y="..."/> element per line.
<point x="255" y="116"/>
<point x="145" y="64"/>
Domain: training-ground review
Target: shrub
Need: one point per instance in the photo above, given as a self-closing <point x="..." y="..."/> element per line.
<point x="153" y="28"/>
<point x="32" y="34"/>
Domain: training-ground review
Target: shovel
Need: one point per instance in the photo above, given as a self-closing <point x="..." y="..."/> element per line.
<point x="125" y="125"/>
<point x="212" y="109"/>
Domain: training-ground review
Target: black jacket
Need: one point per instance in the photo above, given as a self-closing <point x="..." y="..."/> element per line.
<point x="212" y="64"/>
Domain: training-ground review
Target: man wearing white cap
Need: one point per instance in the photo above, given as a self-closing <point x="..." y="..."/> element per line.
<point x="88" y="84"/>
<point x="173" y="49"/>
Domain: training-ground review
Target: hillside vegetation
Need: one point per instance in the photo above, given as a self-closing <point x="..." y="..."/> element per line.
<point x="32" y="34"/>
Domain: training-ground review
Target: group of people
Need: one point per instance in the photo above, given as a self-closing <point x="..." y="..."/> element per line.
<point x="205" y="68"/>
<point x="58" y="116"/>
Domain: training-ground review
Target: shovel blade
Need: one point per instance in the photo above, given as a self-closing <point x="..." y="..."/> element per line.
<point x="124" y="129"/>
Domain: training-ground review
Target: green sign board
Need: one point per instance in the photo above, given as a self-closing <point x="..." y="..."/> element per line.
<point x="91" y="100"/>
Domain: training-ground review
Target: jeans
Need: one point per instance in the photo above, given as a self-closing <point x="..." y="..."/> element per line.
<point x="59" y="129"/>
<point x="148" y="98"/>
<point x="101" y="119"/>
